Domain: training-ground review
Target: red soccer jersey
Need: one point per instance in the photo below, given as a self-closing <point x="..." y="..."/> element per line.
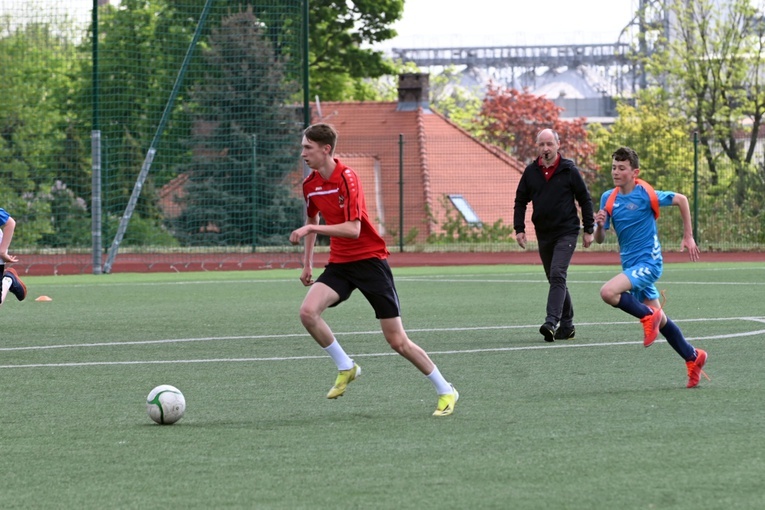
<point x="340" y="199"/>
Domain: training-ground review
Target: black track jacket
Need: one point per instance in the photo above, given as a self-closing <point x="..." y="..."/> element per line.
<point x="554" y="209"/>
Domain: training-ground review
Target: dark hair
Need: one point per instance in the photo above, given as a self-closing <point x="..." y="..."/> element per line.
<point x="323" y="134"/>
<point x="626" y="154"/>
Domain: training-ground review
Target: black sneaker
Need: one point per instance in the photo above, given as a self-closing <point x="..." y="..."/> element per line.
<point x="17" y="288"/>
<point x="548" y="331"/>
<point x="565" y="333"/>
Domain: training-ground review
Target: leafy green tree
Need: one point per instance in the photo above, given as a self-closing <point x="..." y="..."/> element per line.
<point x="140" y="53"/>
<point x="713" y="62"/>
<point x="459" y="103"/>
<point x="244" y="143"/>
<point x="385" y="87"/>
<point x="39" y="61"/>
<point x="660" y="138"/>
<point x="338" y="33"/>
<point x="340" y="37"/>
<point x="511" y="119"/>
<point x="70" y="220"/>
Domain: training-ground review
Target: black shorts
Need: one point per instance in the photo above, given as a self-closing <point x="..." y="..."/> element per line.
<point x="372" y="277"/>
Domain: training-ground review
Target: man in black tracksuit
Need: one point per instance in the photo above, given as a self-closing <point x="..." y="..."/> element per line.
<point x="553" y="185"/>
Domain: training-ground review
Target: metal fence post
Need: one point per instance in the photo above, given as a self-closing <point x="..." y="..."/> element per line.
<point x="696" y="186"/>
<point x="95" y="154"/>
<point x="401" y="192"/>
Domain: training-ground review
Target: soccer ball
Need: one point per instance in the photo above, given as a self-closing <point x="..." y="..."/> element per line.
<point x="165" y="404"/>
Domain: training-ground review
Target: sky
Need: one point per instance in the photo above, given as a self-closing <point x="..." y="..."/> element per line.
<point x="440" y="23"/>
<point x="443" y="23"/>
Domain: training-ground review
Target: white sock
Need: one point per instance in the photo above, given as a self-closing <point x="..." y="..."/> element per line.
<point x="339" y="356"/>
<point x="6" y="284"/>
<point x="442" y="387"/>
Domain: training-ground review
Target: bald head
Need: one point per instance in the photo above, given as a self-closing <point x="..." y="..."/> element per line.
<point x="547" y="134"/>
<point x="548" y="144"/>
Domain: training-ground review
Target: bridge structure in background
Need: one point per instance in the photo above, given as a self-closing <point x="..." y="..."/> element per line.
<point x="605" y="55"/>
<point x="609" y="70"/>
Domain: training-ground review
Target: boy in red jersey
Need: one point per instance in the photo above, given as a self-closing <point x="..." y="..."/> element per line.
<point x="357" y="260"/>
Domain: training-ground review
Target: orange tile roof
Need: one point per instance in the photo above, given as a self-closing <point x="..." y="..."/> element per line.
<point x="170" y="194"/>
<point x="439" y="158"/>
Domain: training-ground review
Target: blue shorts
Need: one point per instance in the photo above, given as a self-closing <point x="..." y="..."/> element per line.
<point x="642" y="276"/>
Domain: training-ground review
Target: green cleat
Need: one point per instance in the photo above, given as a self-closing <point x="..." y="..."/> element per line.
<point x="343" y="378"/>
<point x="446" y="403"/>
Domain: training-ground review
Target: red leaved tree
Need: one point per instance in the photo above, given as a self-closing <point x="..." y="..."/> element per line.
<point x="511" y="120"/>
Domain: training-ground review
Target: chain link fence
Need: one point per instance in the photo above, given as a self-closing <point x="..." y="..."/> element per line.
<point x="167" y="128"/>
<point x="166" y="136"/>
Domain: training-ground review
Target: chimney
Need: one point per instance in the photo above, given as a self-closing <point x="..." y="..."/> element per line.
<point x="413" y="92"/>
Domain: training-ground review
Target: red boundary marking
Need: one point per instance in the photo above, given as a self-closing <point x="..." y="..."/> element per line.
<point x="156" y="263"/>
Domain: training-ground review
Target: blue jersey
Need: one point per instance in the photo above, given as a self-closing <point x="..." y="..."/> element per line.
<point x="3" y="217"/>
<point x="635" y="225"/>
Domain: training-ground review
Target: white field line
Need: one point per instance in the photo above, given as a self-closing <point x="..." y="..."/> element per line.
<point x="568" y="281"/>
<point x="565" y="345"/>
<point x="339" y="333"/>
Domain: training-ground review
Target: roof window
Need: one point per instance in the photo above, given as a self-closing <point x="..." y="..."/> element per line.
<point x="467" y="212"/>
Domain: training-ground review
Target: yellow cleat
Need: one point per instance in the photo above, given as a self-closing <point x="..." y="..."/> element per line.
<point x="343" y="378"/>
<point x="446" y="403"/>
